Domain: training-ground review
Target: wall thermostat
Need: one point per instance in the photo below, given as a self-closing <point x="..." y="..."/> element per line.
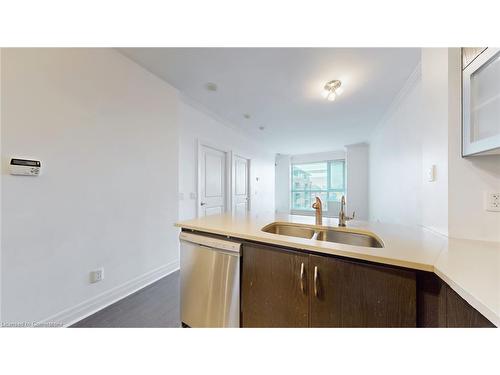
<point x="25" y="167"/>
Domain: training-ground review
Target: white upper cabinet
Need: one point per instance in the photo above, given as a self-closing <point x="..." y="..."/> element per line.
<point x="481" y="101"/>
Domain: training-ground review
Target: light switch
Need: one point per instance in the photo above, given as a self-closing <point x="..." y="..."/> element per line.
<point x="431" y="173"/>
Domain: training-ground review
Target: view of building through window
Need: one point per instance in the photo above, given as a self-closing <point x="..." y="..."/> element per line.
<point x="320" y="179"/>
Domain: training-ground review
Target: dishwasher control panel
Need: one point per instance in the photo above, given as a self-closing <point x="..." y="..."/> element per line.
<point x="211" y="242"/>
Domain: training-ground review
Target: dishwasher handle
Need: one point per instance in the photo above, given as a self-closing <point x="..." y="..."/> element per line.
<point x="214" y="243"/>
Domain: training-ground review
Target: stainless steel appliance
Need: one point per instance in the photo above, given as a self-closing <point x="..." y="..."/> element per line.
<point x="210" y="281"/>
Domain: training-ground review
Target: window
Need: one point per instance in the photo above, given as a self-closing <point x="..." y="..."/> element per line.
<point x="323" y="179"/>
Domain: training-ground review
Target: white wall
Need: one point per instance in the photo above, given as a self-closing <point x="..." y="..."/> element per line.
<point x="319" y="156"/>
<point x="198" y="124"/>
<point x="435" y="138"/>
<point x="396" y="159"/>
<point x="424" y="129"/>
<point x="412" y="138"/>
<point x="282" y="183"/>
<point x="454" y="203"/>
<point x="106" y="133"/>
<point x="0" y="185"/>
<point x="357" y="166"/>
<point x="469" y="178"/>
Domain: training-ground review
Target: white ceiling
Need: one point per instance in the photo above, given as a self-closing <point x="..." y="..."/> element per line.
<point x="281" y="89"/>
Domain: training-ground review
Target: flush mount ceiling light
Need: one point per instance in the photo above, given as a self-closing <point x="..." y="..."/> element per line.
<point x="332" y="89"/>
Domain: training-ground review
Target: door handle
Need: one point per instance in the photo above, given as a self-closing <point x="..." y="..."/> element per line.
<point x="202" y="203"/>
<point x="302" y="278"/>
<point x="316" y="281"/>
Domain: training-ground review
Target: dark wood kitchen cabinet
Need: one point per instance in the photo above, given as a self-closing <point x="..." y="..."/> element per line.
<point x="439" y="306"/>
<point x="351" y="294"/>
<point x="274" y="287"/>
<point x="279" y="289"/>
<point x="288" y="288"/>
<point x="459" y="314"/>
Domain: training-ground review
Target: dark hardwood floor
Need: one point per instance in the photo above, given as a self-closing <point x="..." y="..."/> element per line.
<point x="157" y="305"/>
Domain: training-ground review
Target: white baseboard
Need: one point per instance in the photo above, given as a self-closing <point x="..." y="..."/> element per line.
<point x="82" y="310"/>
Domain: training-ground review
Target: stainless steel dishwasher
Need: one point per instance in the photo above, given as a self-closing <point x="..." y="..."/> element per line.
<point x="210" y="281"/>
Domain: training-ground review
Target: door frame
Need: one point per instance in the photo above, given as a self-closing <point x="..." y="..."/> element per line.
<point x="233" y="176"/>
<point x="228" y="174"/>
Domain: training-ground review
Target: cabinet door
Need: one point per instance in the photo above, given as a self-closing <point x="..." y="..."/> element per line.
<point x="348" y="294"/>
<point x="431" y="301"/>
<point x="462" y="315"/>
<point x="274" y="291"/>
<point x="481" y="104"/>
<point x="469" y="54"/>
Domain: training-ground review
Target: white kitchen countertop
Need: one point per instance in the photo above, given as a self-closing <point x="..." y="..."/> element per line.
<point x="471" y="268"/>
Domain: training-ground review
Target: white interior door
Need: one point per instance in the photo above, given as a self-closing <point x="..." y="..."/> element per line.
<point x="212" y="181"/>
<point x="241" y="194"/>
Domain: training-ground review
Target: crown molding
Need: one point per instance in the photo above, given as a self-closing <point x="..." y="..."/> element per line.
<point x="187" y="100"/>
<point x="409" y="84"/>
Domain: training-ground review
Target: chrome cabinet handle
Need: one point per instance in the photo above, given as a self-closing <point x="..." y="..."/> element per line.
<point x="302" y="277"/>
<point x="316" y="281"/>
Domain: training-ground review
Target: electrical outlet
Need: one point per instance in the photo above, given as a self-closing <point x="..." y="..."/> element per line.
<point x="492" y="201"/>
<point x="97" y="275"/>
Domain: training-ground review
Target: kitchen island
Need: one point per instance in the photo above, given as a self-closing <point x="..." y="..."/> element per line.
<point x="418" y="278"/>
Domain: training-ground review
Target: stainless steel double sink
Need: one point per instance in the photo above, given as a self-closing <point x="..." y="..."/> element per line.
<point x="321" y="233"/>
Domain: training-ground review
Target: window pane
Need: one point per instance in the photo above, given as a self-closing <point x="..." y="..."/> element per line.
<point x="320" y="179"/>
<point x="323" y="196"/>
<point x="311" y="176"/>
<point x="299" y="201"/>
<point x="335" y="196"/>
<point x="337" y="174"/>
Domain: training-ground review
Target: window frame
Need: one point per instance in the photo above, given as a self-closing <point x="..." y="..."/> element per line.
<point x="310" y="211"/>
